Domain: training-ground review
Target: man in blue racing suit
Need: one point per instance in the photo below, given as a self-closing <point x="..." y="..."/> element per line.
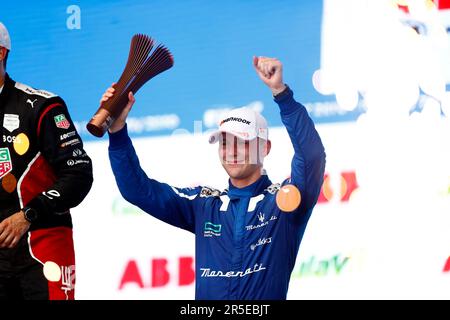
<point x="246" y="245"/>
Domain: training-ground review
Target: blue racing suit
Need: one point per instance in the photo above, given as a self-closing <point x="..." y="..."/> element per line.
<point x="246" y="247"/>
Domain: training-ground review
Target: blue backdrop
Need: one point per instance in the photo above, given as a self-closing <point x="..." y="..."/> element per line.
<point x="212" y="43"/>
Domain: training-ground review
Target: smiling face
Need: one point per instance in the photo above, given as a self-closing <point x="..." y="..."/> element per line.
<point x="242" y="159"/>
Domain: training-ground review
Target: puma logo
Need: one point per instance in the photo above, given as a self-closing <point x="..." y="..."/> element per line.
<point x="31" y="102"/>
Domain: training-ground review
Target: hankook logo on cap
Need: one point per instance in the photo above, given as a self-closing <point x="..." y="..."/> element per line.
<point x="235" y="119"/>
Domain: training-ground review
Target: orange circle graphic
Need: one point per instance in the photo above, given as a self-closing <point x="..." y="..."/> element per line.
<point x="288" y="198"/>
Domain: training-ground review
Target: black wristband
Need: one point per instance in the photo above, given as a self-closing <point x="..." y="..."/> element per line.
<point x="282" y="93"/>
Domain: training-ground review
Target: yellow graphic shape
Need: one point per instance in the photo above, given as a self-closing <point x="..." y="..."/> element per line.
<point x="21" y="144"/>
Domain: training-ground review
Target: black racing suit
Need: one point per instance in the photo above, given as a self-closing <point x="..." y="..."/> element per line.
<point x="42" y="166"/>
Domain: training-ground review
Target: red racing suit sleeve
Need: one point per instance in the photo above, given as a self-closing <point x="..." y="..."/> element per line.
<point x="62" y="148"/>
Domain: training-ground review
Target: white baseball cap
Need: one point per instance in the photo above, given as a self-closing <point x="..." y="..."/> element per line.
<point x="5" y="40"/>
<point x="244" y="123"/>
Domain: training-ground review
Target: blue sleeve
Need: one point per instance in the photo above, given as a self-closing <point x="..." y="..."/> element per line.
<point x="308" y="163"/>
<point x="164" y="202"/>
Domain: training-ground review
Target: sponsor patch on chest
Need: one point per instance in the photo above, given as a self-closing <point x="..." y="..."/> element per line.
<point x="212" y="230"/>
<point x="5" y="162"/>
<point x="11" y="122"/>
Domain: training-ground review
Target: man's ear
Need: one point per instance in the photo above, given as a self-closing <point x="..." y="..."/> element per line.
<point x="264" y="147"/>
<point x="268" y="147"/>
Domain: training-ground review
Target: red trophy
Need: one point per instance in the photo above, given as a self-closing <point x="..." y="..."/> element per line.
<point x="142" y="65"/>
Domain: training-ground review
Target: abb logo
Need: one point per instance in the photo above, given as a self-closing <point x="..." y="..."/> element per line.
<point x="160" y="275"/>
<point x="348" y="185"/>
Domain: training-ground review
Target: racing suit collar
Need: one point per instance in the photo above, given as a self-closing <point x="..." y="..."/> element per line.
<point x="252" y="190"/>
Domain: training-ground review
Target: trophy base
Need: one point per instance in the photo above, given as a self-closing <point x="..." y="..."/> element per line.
<point x="100" y="122"/>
